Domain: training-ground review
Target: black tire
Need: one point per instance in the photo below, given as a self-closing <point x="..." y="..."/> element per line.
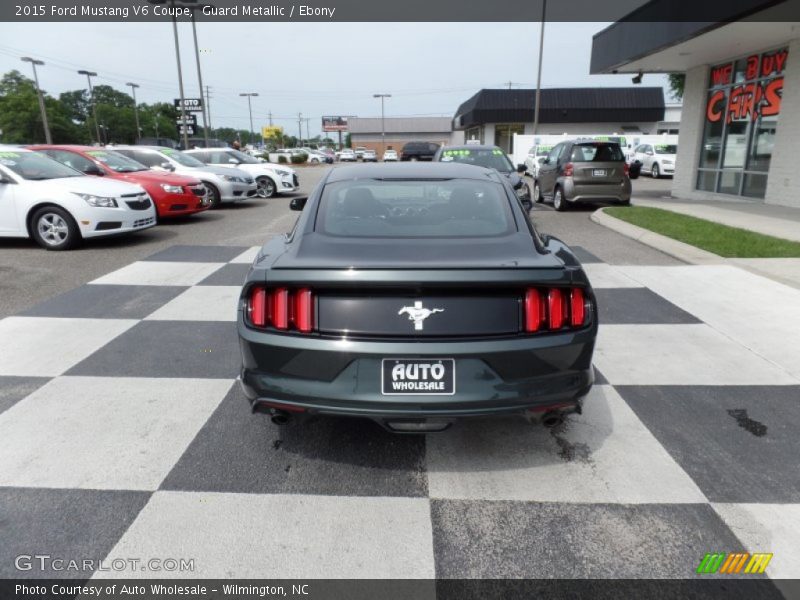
<point x="413" y="159"/>
<point x="559" y="203"/>
<point x="537" y="193"/>
<point x="213" y="192"/>
<point x="53" y="228"/>
<point x="655" y="172"/>
<point x="266" y="187"/>
<point x="624" y="202"/>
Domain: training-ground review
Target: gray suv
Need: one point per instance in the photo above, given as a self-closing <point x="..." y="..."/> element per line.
<point x="583" y="171"/>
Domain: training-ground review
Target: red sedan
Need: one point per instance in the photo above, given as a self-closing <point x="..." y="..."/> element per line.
<point x="173" y="195"/>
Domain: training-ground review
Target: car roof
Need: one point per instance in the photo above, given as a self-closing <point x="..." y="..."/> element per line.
<point x="143" y="147"/>
<point x="13" y="148"/>
<point x="72" y="147"/>
<point x="431" y="170"/>
<point x="212" y="148"/>
<point x="472" y="147"/>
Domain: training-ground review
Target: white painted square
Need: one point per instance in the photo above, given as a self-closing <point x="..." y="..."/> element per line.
<point x="49" y="346"/>
<point x="602" y="275"/>
<point x="103" y="432"/>
<point x="680" y="355"/>
<point x="771" y="528"/>
<point x="248" y="256"/>
<point x="759" y="313"/>
<point x="604" y="455"/>
<point x="160" y="273"/>
<point x="283" y="536"/>
<point x="201" y="303"/>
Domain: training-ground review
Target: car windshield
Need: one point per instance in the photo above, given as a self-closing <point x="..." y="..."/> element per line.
<point x="117" y="162"/>
<point x="490" y="158"/>
<point x="243" y="158"/>
<point x="666" y="149"/>
<point x="415" y="208"/>
<point x="597" y="152"/>
<point x="36" y="167"/>
<point x="181" y="158"/>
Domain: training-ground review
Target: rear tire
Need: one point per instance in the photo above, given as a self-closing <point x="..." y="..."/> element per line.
<point x="559" y="203"/>
<point x="266" y="187"/>
<point x="655" y="171"/>
<point x="213" y="192"/>
<point x="537" y="193"/>
<point x="53" y="228"/>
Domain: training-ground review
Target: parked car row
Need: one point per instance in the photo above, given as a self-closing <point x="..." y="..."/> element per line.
<point x="61" y="194"/>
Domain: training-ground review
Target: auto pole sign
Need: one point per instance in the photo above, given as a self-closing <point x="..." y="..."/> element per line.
<point x="750" y="88"/>
<point x="334" y="123"/>
<point x="190" y="104"/>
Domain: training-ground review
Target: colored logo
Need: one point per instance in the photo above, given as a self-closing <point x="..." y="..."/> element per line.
<point x="734" y="563"/>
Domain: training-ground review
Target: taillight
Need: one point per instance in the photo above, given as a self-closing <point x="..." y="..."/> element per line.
<point x="554" y="309"/>
<point x="281" y="308"/>
<point x="577" y="307"/>
<point x="534" y="310"/>
<point x="569" y="169"/>
<point x="626" y="169"/>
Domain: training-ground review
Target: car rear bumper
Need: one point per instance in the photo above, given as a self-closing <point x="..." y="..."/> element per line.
<point x="588" y="192"/>
<point x="343" y="377"/>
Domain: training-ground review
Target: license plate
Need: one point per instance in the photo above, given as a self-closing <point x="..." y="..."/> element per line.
<point x="414" y="377"/>
<point x="599" y="172"/>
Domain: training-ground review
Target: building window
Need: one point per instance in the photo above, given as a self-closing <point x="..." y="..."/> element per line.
<point x="742" y="109"/>
<point x="474" y="133"/>
<point x="504" y="135"/>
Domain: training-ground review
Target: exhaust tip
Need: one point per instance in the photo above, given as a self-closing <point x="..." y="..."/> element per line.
<point x="552" y="419"/>
<point x="279" y="417"/>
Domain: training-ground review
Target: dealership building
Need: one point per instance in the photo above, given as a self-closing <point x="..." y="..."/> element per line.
<point x="368" y="131"/>
<point x="494" y="116"/>
<point x="740" y="123"/>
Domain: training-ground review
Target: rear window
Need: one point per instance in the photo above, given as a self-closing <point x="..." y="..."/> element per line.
<point x="415" y="208"/>
<point x="596" y="153"/>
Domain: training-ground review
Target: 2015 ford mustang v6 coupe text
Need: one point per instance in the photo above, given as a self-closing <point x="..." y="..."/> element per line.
<point x="415" y="294"/>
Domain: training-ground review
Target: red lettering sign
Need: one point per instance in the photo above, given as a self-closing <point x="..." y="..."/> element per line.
<point x="751" y="72"/>
<point x="773" y="63"/>
<point x="714" y="110"/>
<point x="772" y="95"/>
<point x="721" y="75"/>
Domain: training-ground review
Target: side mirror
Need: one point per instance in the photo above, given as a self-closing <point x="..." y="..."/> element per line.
<point x="233" y="161"/>
<point x="298" y="203"/>
<point x="167" y="166"/>
<point x="522" y="169"/>
<point x="94" y="170"/>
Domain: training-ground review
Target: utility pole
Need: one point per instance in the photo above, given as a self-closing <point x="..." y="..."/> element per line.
<point x="270" y="118"/>
<point x="250" y="108"/>
<point x="184" y="128"/>
<point x="208" y="105"/>
<point x="89" y="75"/>
<point x="200" y="80"/>
<point x="539" y="75"/>
<point x="133" y="87"/>
<point x="300" y="129"/>
<point x="308" y="135"/>
<point x="39" y="94"/>
<point x="383" y="120"/>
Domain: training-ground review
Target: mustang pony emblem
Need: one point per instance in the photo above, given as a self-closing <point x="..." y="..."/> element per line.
<point x="418" y="314"/>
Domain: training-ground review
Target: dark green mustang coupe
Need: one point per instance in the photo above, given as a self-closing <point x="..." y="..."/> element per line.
<point x="415" y="294"/>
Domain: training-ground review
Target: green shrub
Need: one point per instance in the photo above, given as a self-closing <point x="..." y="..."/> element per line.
<point x="282" y="159"/>
<point x="298" y="159"/>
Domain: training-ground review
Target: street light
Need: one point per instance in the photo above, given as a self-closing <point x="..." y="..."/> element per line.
<point x="133" y="87"/>
<point x="89" y="75"/>
<point x="206" y="120"/>
<point x="383" y="122"/>
<point x="34" y="64"/>
<point x="250" y="107"/>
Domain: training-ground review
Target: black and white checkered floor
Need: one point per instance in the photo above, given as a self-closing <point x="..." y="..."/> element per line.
<point x="123" y="434"/>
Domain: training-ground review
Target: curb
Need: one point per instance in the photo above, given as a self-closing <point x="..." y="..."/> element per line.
<point x="680" y="250"/>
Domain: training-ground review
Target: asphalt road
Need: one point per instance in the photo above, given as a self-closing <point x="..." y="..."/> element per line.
<point x="29" y="275"/>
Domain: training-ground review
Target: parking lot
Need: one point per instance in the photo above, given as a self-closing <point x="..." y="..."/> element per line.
<point x="124" y="434"/>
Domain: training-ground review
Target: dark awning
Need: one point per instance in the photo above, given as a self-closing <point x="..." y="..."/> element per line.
<point x="563" y="105"/>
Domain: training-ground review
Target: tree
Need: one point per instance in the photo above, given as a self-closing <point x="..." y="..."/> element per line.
<point x="676" y="83"/>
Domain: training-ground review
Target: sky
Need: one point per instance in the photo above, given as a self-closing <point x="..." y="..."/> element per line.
<point x="310" y="68"/>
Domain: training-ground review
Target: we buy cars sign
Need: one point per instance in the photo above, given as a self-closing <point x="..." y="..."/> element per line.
<point x="190" y="104"/>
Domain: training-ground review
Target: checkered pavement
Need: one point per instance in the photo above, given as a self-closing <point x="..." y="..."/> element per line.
<point x="124" y="434"/>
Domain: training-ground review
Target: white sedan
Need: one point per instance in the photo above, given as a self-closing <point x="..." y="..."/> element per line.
<point x="347" y="155"/>
<point x="390" y="156"/>
<point x="271" y="178"/>
<point x="59" y="207"/>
